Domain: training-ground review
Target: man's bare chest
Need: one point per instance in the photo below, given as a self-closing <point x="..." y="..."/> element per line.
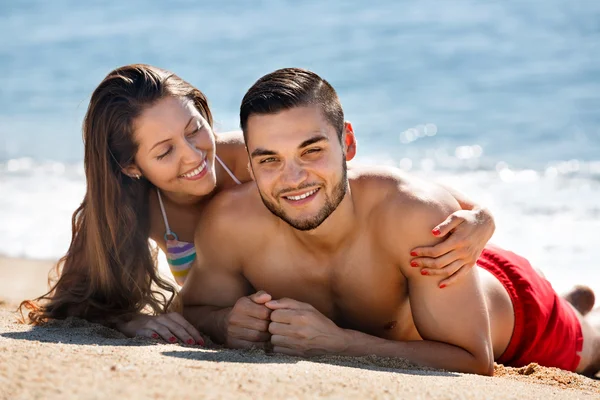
<point x="359" y="289"/>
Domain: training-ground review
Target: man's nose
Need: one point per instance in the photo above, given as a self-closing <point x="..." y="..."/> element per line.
<point x="294" y="174"/>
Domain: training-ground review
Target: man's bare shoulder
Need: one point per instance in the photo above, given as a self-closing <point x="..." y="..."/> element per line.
<point x="402" y="208"/>
<point x="389" y="187"/>
<point x="234" y="214"/>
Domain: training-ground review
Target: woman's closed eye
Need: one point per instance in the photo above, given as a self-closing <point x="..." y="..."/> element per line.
<point x="195" y="131"/>
<point x="166" y="153"/>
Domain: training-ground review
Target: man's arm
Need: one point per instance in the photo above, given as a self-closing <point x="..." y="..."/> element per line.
<point x="453" y="321"/>
<point x="216" y="296"/>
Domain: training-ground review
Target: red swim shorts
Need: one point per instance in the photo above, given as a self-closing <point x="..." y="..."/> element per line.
<point x="547" y="330"/>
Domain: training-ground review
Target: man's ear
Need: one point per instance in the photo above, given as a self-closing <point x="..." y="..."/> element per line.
<point x="349" y="141"/>
<point x="132" y="171"/>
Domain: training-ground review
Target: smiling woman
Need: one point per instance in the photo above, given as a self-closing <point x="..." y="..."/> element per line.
<point x="149" y="150"/>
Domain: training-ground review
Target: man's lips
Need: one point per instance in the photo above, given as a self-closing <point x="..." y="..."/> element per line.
<point x="298" y="196"/>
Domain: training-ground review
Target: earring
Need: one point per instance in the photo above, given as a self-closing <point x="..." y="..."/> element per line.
<point x="136" y="176"/>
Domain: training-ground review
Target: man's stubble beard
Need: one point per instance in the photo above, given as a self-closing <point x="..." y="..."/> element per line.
<point x="331" y="204"/>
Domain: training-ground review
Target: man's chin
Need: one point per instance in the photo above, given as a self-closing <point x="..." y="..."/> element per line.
<point x="304" y="224"/>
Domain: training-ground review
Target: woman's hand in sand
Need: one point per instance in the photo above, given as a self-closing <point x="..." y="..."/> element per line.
<point x="299" y="329"/>
<point x="247" y="323"/>
<point x="171" y="327"/>
<point x="466" y="233"/>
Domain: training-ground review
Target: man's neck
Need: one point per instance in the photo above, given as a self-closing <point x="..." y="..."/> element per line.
<point x="334" y="232"/>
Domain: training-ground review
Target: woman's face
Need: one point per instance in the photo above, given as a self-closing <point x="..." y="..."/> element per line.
<point x="176" y="148"/>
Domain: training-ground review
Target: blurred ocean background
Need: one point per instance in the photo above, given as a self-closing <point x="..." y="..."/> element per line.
<point x="500" y="99"/>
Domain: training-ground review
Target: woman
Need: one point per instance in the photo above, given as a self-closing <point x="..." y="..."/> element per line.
<point x="152" y="163"/>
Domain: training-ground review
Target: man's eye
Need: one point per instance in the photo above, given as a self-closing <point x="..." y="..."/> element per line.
<point x="268" y="160"/>
<point x="314" y="150"/>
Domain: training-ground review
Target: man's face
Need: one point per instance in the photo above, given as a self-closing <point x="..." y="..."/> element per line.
<point x="298" y="164"/>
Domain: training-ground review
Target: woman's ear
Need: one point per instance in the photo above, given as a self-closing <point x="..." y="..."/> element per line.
<point x="132" y="171"/>
<point x="349" y="141"/>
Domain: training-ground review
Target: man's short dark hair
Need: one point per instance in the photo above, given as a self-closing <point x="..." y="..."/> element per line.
<point x="289" y="88"/>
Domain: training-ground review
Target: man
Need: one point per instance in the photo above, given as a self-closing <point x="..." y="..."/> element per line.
<point x="329" y="252"/>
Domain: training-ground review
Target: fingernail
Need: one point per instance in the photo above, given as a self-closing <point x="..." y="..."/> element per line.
<point x="200" y="343"/>
<point x="443" y="285"/>
<point x="436" y="231"/>
<point x="172" y="339"/>
<point x="413" y="253"/>
<point x="190" y="341"/>
<point x="424" y="272"/>
<point x="414" y="264"/>
<point x="154" y="336"/>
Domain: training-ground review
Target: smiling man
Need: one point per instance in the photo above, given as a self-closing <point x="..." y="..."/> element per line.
<point x="330" y="256"/>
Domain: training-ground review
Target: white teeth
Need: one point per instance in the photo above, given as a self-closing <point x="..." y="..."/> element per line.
<point x="302" y="196"/>
<point x="196" y="171"/>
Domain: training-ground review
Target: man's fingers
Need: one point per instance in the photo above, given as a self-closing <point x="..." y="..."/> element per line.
<point x="287" y="303"/>
<point x="250" y="335"/>
<point x="283" y="316"/>
<point x="278" y="328"/>
<point x="245" y="306"/>
<point x="456" y="276"/>
<point x="246" y="321"/>
<point x="252" y="318"/>
<point x="260" y="297"/>
<point x="193" y="332"/>
<point x="285" y="341"/>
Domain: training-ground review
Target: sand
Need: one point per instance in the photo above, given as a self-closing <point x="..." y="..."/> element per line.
<point x="74" y="359"/>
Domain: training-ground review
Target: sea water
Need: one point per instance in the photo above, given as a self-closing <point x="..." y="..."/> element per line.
<point x="500" y="99"/>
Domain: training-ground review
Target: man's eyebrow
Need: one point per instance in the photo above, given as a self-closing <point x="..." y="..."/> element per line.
<point x="166" y="140"/>
<point x="262" y="152"/>
<point x="313" y="140"/>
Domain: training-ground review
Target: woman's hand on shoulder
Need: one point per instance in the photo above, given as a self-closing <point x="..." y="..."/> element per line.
<point x="172" y="327"/>
<point x="466" y="233"/>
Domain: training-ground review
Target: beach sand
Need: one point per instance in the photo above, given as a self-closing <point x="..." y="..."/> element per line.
<point x="74" y="359"/>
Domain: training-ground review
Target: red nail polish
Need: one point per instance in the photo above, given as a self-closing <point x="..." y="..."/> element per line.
<point x="154" y="336"/>
<point x="190" y="341"/>
<point x="200" y="343"/>
<point x="424" y="272"/>
<point x="435" y="231"/>
<point x="413" y="264"/>
<point x="172" y="339"/>
<point x="413" y="253"/>
<point x="443" y="285"/>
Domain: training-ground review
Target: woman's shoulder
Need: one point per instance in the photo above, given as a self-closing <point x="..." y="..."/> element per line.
<point x="232" y="151"/>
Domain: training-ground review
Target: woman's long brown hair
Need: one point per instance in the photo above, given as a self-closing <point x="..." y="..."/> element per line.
<point x="109" y="273"/>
